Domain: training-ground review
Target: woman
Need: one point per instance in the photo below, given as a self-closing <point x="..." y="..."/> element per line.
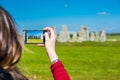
<point x="11" y="50"/>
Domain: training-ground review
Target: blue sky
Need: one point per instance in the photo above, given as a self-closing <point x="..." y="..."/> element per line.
<point x="34" y="33"/>
<point x="97" y="15"/>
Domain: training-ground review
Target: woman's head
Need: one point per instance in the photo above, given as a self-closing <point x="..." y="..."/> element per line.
<point x="10" y="47"/>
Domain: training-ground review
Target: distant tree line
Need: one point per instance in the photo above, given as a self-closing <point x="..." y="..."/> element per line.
<point x="34" y="37"/>
<point x="113" y="34"/>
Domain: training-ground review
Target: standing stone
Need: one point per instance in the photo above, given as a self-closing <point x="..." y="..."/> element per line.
<point x="74" y="37"/>
<point x="84" y="34"/>
<point x="64" y="35"/>
<point x="103" y="36"/>
<point x="97" y="37"/>
<point x="92" y="36"/>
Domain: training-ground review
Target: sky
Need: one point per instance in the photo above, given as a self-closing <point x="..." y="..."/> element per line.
<point x="97" y="15"/>
<point x="34" y="33"/>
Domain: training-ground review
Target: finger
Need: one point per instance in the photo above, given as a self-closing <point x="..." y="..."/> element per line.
<point x="46" y="36"/>
<point x="51" y="32"/>
<point x="41" y="45"/>
<point x="46" y="28"/>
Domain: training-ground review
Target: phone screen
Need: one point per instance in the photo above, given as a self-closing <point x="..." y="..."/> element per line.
<point x="34" y="36"/>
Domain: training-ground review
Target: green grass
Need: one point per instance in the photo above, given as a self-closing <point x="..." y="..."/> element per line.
<point x="34" y="40"/>
<point x="83" y="61"/>
<point x="117" y="37"/>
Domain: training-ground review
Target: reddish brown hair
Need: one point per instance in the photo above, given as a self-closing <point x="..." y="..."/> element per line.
<point x="10" y="45"/>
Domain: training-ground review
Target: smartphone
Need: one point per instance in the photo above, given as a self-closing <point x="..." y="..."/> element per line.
<point x="34" y="36"/>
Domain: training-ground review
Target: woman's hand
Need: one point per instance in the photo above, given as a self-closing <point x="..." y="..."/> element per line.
<point x="50" y="40"/>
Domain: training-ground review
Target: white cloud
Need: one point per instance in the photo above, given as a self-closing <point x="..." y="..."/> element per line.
<point x="103" y="13"/>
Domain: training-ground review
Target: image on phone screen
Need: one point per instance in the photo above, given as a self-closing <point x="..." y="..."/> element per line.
<point x="34" y="36"/>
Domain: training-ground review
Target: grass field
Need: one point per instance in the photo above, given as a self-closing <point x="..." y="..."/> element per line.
<point x="83" y="61"/>
<point x="116" y="37"/>
<point x="34" y="40"/>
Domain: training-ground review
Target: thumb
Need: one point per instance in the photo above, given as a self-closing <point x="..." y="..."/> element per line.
<point x="41" y="45"/>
